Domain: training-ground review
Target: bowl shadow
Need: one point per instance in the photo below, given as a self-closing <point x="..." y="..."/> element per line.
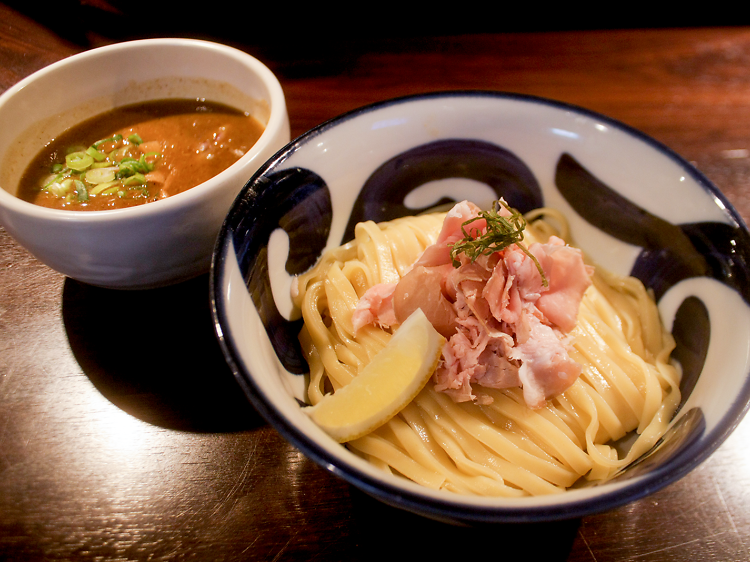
<point x="153" y="353"/>
<point x="381" y="530"/>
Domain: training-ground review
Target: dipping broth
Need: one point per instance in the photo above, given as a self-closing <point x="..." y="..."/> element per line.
<point x="137" y="154"/>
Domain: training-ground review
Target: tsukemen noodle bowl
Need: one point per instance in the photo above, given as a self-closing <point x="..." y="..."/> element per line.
<point x="119" y="164"/>
<point x="337" y="244"/>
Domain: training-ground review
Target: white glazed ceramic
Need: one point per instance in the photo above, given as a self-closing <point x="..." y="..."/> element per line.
<point x="633" y="205"/>
<point x="153" y="244"/>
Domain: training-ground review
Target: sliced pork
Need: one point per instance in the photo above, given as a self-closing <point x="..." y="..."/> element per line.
<point x="504" y="326"/>
<point x="439" y="253"/>
<point x="423" y="287"/>
<point x="375" y="307"/>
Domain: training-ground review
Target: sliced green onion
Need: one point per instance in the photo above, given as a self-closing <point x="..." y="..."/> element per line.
<point x="128" y="167"/>
<point x="78" y="161"/>
<point x="148" y="166"/>
<point x="116" y="172"/>
<point x="102" y="186"/>
<point x="57" y="189"/>
<point x="111" y="190"/>
<point x="115" y="138"/>
<point x="95" y="154"/>
<point x="118" y="153"/>
<point x="83" y="195"/>
<point x="135" y="179"/>
<point x="50" y="179"/>
<point x="101" y="175"/>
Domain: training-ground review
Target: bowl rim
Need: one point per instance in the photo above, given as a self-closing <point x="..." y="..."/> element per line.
<point x="403" y="494"/>
<point x="174" y="203"/>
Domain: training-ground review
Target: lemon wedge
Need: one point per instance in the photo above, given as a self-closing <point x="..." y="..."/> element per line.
<point x="394" y="376"/>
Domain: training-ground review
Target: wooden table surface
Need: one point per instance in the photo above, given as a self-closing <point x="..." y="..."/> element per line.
<point x="123" y="435"/>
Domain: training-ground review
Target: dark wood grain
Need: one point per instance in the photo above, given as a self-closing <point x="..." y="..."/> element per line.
<point x="152" y="453"/>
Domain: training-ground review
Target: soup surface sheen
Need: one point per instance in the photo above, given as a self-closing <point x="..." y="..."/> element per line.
<point x="180" y="143"/>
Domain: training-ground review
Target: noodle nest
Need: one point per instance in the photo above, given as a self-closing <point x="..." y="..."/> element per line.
<point x="628" y="384"/>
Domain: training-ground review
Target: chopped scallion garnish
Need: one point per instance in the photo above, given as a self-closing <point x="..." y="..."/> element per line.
<point x="78" y="161"/>
<point x="116" y="138"/>
<point x="135" y="179"/>
<point x="111" y="190"/>
<point x="95" y="154"/>
<point x="99" y="189"/>
<point x="83" y="195"/>
<point x="101" y="175"/>
<point x="88" y="172"/>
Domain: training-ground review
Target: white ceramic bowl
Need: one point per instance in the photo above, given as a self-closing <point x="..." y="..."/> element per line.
<point x="634" y="206"/>
<point x="153" y="244"/>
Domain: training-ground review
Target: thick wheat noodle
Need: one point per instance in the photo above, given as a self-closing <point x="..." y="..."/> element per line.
<point x="504" y="448"/>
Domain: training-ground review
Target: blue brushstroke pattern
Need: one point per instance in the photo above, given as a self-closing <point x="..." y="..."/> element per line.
<point x="382" y="196"/>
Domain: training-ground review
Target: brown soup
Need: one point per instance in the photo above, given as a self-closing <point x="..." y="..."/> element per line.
<point x="138" y="153"/>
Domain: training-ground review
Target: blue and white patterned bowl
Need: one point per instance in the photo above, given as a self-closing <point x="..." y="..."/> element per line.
<point x="634" y="206"/>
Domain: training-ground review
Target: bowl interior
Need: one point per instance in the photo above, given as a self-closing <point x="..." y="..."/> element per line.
<point x="633" y="205"/>
<point x="66" y="93"/>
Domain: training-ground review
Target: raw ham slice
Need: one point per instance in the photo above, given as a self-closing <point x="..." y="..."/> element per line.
<point x="504" y="328"/>
<point x="422" y="287"/>
<point x="439" y="253"/>
<point x="545" y="369"/>
<point x="568" y="278"/>
<point x="375" y="307"/>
